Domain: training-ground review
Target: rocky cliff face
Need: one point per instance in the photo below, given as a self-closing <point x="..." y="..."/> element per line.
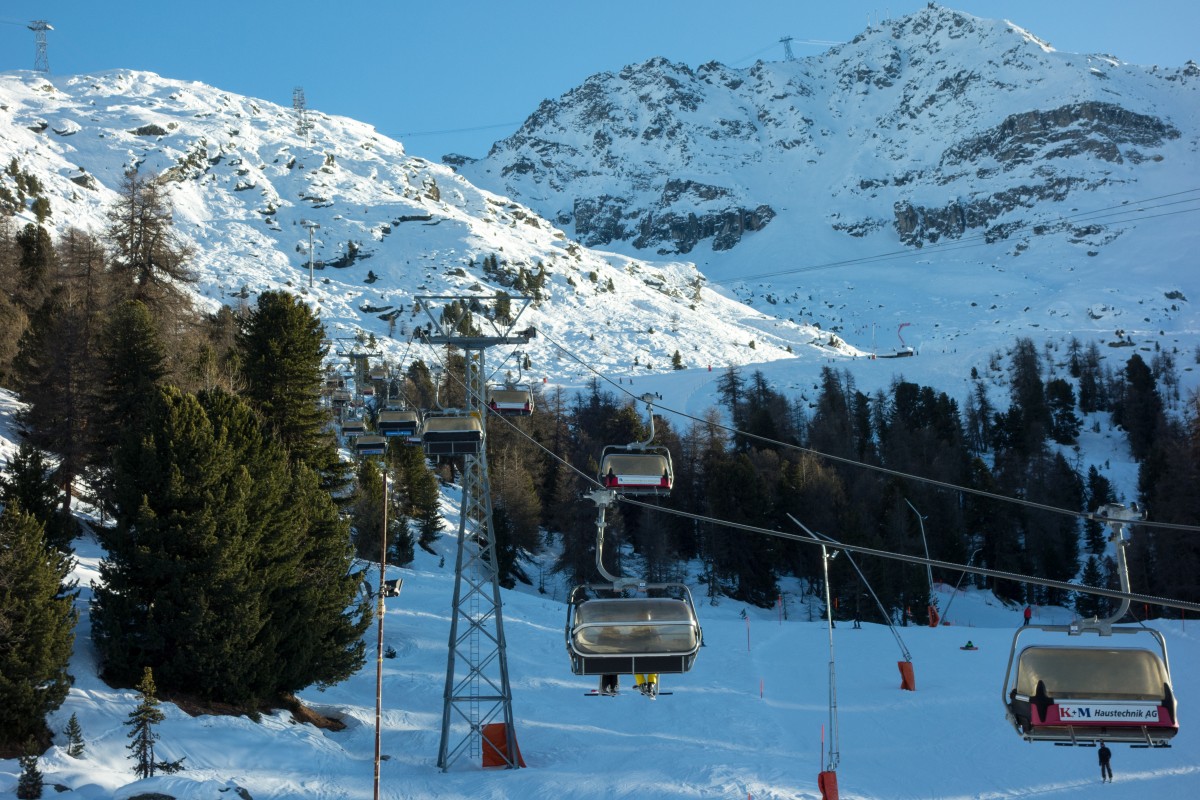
<point x="931" y="126"/>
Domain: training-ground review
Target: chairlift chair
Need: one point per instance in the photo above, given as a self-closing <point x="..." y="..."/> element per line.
<point x="370" y="444"/>
<point x="1080" y="695"/>
<point x="378" y="373"/>
<point x="353" y="426"/>
<point x="393" y="422"/>
<point x="645" y="470"/>
<point x="511" y="401"/>
<point x="452" y="435"/>
<point x="626" y="635"/>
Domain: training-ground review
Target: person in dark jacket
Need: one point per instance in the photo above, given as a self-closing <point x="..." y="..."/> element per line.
<point x="1105" y="769"/>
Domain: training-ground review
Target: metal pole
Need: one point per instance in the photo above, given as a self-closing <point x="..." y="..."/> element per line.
<point x="928" y="569"/>
<point x="379" y="643"/>
<point x="834" y="748"/>
<point x="311" y="227"/>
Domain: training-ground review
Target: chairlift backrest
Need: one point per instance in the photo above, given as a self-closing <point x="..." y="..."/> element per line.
<point x="1091" y="672"/>
<point x="637" y="472"/>
<point x="633" y="634"/>
<point x="370" y="445"/>
<point x="398" y="423"/>
<point x="511" y="402"/>
<point x="452" y="435"/>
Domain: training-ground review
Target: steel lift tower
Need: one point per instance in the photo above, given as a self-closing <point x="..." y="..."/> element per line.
<point x="41" y="61"/>
<point x="477" y="687"/>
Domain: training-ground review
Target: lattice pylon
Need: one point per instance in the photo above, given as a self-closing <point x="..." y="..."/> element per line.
<point x="477" y="689"/>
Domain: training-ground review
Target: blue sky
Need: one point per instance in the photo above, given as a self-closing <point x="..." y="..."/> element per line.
<point x="457" y="75"/>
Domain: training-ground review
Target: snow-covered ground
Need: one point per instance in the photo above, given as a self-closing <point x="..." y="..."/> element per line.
<point x="746" y="722"/>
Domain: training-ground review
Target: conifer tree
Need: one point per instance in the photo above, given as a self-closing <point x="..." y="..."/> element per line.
<point x="53" y="371"/>
<point x="132" y="364"/>
<point x="281" y="350"/>
<point x="141" y="722"/>
<point x="416" y="487"/>
<point x="368" y="518"/>
<point x="29" y="485"/>
<point x="145" y="251"/>
<point x="29" y="784"/>
<point x="74" y="732"/>
<point x="228" y="566"/>
<point x="37" y="620"/>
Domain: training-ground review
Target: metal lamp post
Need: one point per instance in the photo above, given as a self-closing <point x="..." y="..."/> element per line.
<point x="312" y="226"/>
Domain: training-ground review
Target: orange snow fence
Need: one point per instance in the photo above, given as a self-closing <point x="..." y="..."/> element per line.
<point x="907" y="680"/>
<point x="495" y="746"/>
<point x="827" y="783"/>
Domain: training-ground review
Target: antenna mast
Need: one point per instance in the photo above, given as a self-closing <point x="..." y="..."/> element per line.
<point x="41" y="62"/>
<point x="788" y="55"/>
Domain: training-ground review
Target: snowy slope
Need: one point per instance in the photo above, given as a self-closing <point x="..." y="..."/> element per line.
<point x="244" y="182"/>
<point x="746" y="722"/>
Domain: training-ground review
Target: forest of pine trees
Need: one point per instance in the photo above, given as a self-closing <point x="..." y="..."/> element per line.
<point x="231" y="526"/>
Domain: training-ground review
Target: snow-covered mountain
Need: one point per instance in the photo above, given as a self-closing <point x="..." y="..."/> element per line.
<point x="931" y="126"/>
<point x="245" y="178"/>
<point x="942" y="172"/>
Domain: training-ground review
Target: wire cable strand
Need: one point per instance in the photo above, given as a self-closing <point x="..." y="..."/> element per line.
<point x="1083" y="515"/>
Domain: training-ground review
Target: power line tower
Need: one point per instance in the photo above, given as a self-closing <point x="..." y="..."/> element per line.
<point x="788" y="55"/>
<point x="41" y="61"/>
<point x="303" y="124"/>
<point x="477" y="693"/>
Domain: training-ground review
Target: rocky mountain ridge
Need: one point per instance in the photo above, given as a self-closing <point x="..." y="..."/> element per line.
<point x="929" y="126"/>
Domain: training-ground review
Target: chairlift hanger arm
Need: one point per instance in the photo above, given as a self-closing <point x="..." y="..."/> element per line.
<point x="648" y="398"/>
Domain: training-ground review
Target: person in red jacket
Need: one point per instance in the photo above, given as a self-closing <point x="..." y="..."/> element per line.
<point x="1028" y="614"/>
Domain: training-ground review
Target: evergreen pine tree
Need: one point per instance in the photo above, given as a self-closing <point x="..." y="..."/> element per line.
<point x="29" y="485"/>
<point x="37" y="263"/>
<point x="74" y="732"/>
<point x="53" y="368"/>
<point x="131" y="365"/>
<point x="29" y="784"/>
<point x="417" y="489"/>
<point x="1140" y="408"/>
<point x="228" y="571"/>
<point x="37" y="620"/>
<point x="141" y="722"/>
<point x="281" y="350"/>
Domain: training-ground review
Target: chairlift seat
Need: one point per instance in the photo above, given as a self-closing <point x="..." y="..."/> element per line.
<point x="398" y="423"/>
<point x="631" y="635"/>
<point x="637" y="472"/>
<point x="370" y="444"/>
<point x="452" y="435"/>
<point x="511" y="402"/>
<point x="1084" y="694"/>
<point x="378" y="373"/>
<point x="353" y="427"/>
